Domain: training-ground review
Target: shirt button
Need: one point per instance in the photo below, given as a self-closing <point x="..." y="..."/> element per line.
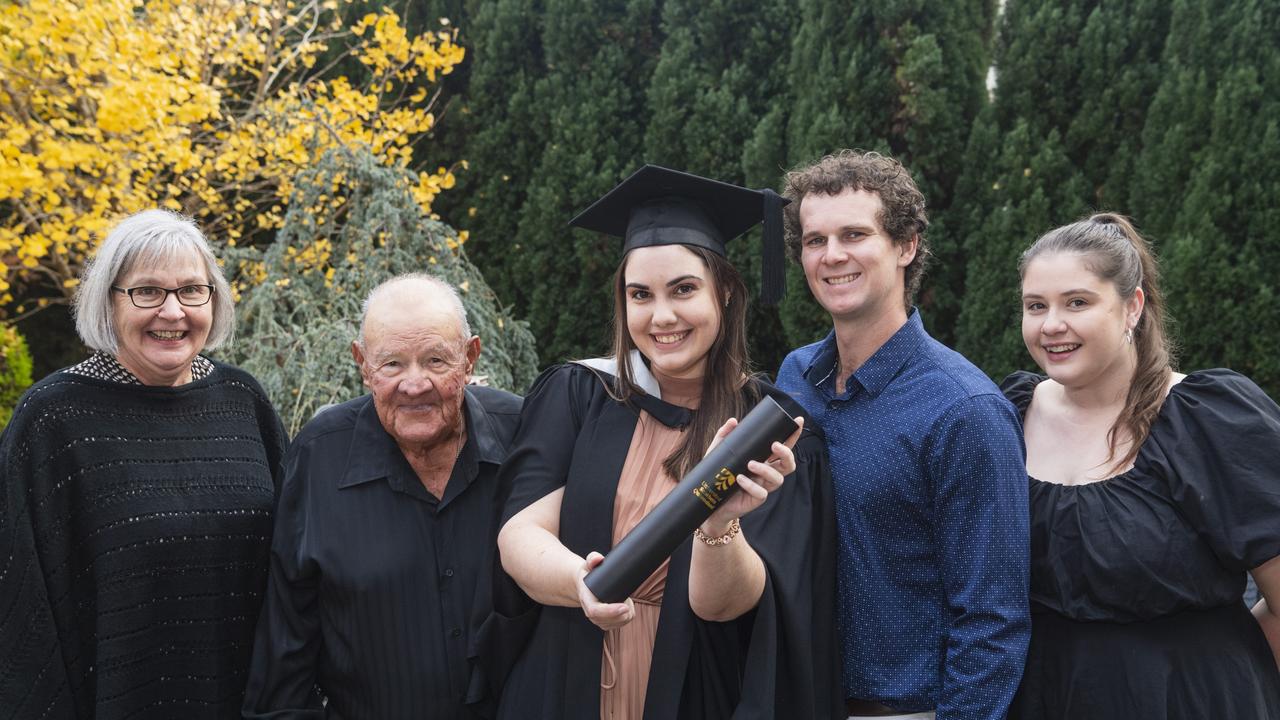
<point x="448" y="572"/>
<point x="456" y="632"/>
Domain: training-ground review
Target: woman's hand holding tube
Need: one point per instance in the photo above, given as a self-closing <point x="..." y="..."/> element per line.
<point x="606" y="616"/>
<point x="753" y="489"/>
<point x="551" y="573"/>
<point x="726" y="579"/>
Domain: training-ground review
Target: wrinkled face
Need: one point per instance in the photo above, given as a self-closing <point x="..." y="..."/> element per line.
<point x="855" y="270"/>
<point x="672" y="311"/>
<point x="158" y="344"/>
<point x="1073" y="321"/>
<point x="416" y="362"/>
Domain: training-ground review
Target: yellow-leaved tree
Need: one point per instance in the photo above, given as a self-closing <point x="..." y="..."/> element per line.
<point x="209" y="107"/>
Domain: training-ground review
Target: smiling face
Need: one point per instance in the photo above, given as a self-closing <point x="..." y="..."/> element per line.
<point x="158" y="344"/>
<point x="673" y="308"/>
<point x="855" y="270"/>
<point x="1074" y="322"/>
<point x="416" y="362"/>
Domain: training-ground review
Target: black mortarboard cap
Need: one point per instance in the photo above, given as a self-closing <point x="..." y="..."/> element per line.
<point x="658" y="206"/>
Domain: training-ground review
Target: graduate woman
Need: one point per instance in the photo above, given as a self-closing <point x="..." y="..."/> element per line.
<point x="739" y="622"/>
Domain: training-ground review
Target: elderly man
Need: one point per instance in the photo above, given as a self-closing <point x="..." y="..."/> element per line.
<point x="385" y="531"/>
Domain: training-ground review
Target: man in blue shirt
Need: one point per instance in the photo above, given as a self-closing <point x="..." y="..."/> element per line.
<point x="927" y="459"/>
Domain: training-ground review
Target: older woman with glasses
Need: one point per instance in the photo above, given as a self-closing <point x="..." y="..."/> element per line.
<point x="138" y="486"/>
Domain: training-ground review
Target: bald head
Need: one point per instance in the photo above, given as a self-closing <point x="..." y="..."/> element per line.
<point x="416" y="296"/>
<point x="415" y="354"/>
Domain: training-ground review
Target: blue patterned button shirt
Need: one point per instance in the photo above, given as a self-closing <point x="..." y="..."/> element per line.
<point x="931" y="505"/>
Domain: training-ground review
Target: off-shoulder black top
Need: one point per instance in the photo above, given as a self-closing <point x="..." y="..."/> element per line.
<point x="1136" y="580"/>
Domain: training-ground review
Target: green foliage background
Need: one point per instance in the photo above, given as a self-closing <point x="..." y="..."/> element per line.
<point x="15" y="371"/>
<point x="1165" y="110"/>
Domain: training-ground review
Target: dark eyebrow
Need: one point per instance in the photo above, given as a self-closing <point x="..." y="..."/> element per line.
<point x="670" y="283"/>
<point x="860" y="228"/>
<point x="1075" y="291"/>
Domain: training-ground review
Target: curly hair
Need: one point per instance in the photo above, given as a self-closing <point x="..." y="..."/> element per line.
<point x="902" y="215"/>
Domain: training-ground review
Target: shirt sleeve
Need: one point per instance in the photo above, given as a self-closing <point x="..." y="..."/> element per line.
<point x="542" y="450"/>
<point x="33" y="677"/>
<point x="282" y="673"/>
<point x="979" y="484"/>
<point x="1218" y="443"/>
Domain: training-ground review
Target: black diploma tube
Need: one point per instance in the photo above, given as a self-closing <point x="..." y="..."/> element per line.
<point x="710" y="483"/>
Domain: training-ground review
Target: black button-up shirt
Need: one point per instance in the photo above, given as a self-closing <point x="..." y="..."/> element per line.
<point x="377" y="586"/>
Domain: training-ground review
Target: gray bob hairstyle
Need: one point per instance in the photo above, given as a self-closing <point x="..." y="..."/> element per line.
<point x="149" y="239"/>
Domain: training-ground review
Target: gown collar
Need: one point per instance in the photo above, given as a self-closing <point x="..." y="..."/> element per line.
<point x="651" y="399"/>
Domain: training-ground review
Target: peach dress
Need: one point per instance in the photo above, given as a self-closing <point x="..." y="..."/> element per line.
<point x="628" y="651"/>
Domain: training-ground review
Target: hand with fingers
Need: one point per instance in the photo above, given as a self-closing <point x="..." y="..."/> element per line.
<point x="754" y="488"/>
<point x="606" y="616"/>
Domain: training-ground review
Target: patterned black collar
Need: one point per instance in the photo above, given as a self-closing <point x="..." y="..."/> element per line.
<point x="102" y="366"/>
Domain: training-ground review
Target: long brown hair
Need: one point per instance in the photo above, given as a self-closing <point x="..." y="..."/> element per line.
<point x="723" y="394"/>
<point x="1114" y="251"/>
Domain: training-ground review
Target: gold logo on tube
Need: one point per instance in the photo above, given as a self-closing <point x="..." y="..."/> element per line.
<point x="724" y="479"/>
<point x="708" y="496"/>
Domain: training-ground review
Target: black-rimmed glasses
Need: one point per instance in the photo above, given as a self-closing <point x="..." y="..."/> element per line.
<point x="151" y="296"/>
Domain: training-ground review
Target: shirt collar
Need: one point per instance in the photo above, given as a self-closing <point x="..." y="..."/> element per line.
<point x="481" y="430"/>
<point x="879" y="369"/>
<point x="823" y="363"/>
<point x="374" y="454"/>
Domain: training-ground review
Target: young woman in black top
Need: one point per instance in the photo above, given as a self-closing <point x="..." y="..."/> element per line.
<point x="1152" y="494"/>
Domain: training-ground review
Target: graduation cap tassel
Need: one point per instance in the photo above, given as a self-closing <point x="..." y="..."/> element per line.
<point x="773" y="278"/>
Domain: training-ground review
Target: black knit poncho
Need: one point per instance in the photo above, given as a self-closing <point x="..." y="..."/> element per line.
<point x="135" y="526"/>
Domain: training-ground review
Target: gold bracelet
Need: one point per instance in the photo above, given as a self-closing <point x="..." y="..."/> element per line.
<point x="734" y="528"/>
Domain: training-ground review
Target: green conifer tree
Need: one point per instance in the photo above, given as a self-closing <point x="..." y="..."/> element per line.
<point x="1037" y="188"/>
<point x="1180" y="111"/>
<point x="715" y="77"/>
<point x="1061" y="138"/>
<point x="1223" y="246"/>
<point x="901" y="77"/>
<point x="505" y="131"/>
<point x="599" y="58"/>
<point x="1120" y="67"/>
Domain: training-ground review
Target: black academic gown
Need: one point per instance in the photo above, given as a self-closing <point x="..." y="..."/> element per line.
<point x="779" y="660"/>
